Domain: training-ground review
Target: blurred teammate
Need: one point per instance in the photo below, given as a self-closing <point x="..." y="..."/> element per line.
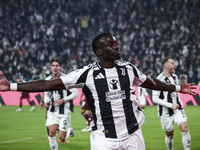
<point x="41" y="106"/>
<point x="44" y="74"/>
<point x="142" y="94"/>
<point x="86" y="112"/>
<point x="59" y="105"/>
<point x="24" y="95"/>
<point x="108" y="86"/>
<point x="170" y="107"/>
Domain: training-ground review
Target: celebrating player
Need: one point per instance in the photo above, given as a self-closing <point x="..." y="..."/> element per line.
<point x="108" y="87"/>
<point x="171" y="110"/>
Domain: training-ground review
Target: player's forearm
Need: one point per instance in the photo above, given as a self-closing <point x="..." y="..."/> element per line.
<point x="168" y="87"/>
<point x="156" y="84"/>
<point x="35" y="86"/>
<point x="164" y="86"/>
<point x="40" y="85"/>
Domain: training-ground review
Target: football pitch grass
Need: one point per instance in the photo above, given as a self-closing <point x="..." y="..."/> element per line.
<point x="26" y="130"/>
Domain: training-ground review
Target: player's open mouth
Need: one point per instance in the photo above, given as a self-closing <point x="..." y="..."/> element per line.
<point x="118" y="52"/>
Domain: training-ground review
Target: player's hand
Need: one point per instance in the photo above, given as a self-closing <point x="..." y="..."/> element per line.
<point x="47" y="105"/>
<point x="58" y="102"/>
<point x="41" y="105"/>
<point x="4" y="84"/>
<point x="175" y="106"/>
<point x="187" y="88"/>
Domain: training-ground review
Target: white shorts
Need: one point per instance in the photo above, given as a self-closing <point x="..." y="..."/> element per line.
<point x="61" y="120"/>
<point x="134" y="141"/>
<point x="167" y="122"/>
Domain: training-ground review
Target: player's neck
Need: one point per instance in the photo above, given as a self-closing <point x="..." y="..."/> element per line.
<point x="55" y="76"/>
<point x="167" y="73"/>
<point x="107" y="64"/>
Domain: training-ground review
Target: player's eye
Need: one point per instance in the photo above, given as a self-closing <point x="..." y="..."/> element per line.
<point x="111" y="44"/>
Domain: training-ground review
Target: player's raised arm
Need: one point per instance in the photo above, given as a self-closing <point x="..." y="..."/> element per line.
<point x="156" y="84"/>
<point x="33" y="86"/>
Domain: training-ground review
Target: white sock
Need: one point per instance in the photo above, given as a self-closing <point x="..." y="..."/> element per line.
<point x="169" y="142"/>
<point x="68" y="133"/>
<point x="186" y="140"/>
<point x="53" y="143"/>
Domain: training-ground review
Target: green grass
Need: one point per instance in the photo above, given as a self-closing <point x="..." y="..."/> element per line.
<point x="26" y="130"/>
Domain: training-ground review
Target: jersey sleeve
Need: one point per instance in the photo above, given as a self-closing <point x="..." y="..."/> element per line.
<point x="157" y="100"/>
<point x="74" y="94"/>
<point x="70" y="80"/>
<point x="139" y="77"/>
<point x="46" y="97"/>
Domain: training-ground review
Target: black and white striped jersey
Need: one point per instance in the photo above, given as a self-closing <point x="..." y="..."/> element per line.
<point x="165" y="99"/>
<point x="111" y="96"/>
<point x="51" y="96"/>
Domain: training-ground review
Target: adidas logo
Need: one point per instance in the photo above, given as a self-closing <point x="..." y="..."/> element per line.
<point x="100" y="76"/>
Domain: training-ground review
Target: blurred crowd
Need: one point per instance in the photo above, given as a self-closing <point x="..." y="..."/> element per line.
<point x="34" y="31"/>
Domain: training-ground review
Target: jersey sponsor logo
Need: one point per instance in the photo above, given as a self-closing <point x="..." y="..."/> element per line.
<point x="114" y="84"/>
<point x="115" y="95"/>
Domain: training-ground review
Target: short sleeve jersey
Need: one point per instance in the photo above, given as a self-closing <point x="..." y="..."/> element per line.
<point x="167" y="96"/>
<point x="111" y="96"/>
<point x="51" y="96"/>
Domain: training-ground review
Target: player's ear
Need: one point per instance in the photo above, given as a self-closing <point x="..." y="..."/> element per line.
<point x="98" y="52"/>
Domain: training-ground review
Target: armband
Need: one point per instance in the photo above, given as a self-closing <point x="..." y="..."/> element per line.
<point x="13" y="86"/>
<point x="177" y="88"/>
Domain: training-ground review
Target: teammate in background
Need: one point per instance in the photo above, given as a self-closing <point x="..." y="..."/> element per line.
<point x="24" y="95"/>
<point x="142" y="95"/>
<point x="170" y="107"/>
<point x="108" y="86"/>
<point x="45" y="73"/>
<point x="42" y="101"/>
<point x="41" y="106"/>
<point x="87" y="115"/>
<point x="59" y="105"/>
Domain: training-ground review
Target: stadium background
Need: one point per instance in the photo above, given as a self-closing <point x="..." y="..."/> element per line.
<point x="33" y="32"/>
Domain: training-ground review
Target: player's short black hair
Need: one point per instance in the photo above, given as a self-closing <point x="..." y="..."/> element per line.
<point x="55" y="60"/>
<point x="95" y="42"/>
<point x="164" y="60"/>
